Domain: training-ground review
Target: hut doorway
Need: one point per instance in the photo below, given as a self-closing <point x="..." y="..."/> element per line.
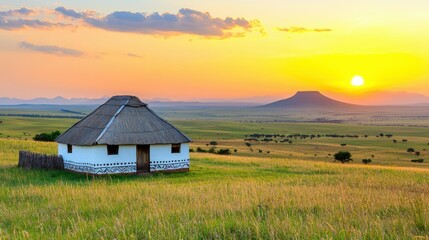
<point x="143" y="159"/>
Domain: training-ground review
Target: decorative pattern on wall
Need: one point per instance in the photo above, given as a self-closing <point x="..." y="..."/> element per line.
<point x="169" y="165"/>
<point x="100" y="168"/>
<point x="125" y="167"/>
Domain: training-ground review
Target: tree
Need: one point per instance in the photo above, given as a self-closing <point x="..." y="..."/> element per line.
<point x="343" y="156"/>
<point x="410" y="150"/>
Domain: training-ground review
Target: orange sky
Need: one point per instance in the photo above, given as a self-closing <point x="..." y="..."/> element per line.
<point x="269" y="48"/>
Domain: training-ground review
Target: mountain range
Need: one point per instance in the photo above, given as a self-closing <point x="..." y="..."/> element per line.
<point x="301" y="98"/>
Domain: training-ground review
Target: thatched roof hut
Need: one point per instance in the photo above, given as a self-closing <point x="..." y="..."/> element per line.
<point x="123" y="121"/>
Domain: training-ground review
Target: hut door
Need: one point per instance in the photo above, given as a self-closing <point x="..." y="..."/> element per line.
<point x="143" y="161"/>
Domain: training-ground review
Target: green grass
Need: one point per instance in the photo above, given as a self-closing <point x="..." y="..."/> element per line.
<point x="222" y="197"/>
<point x="294" y="192"/>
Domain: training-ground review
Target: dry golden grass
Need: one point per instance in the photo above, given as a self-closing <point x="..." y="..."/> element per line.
<point x="223" y="197"/>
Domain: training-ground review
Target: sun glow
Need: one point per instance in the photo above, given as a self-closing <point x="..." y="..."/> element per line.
<point x="357" y="81"/>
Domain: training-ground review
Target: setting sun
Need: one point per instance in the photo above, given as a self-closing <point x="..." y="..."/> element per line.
<point x="357" y="81"/>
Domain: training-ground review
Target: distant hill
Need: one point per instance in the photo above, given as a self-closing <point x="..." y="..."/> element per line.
<point x="309" y="99"/>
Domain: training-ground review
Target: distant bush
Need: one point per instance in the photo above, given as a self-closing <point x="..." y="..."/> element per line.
<point x="404" y="140"/>
<point x="417" y="153"/>
<point x="47" y="137"/>
<point x="201" y="150"/>
<point x="394" y="141"/>
<point x="248" y="144"/>
<point x="212" y="150"/>
<point x="213" y="143"/>
<point x="343" y="156"/>
<point x="418" y="160"/>
<point x="410" y="150"/>
<point x="235" y="150"/>
<point x="260" y="151"/>
<point x="191" y="150"/>
<point x="225" y="151"/>
<point x="366" y="161"/>
<point x="343" y="144"/>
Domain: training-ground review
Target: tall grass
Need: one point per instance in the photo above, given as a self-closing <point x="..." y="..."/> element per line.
<point x="220" y="198"/>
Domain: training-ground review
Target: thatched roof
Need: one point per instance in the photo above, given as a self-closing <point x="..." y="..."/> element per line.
<point x="122" y="120"/>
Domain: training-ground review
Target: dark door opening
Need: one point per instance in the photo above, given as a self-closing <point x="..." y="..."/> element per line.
<point x="143" y="158"/>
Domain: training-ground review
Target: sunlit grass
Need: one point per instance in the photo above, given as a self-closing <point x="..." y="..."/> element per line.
<point x="222" y="197"/>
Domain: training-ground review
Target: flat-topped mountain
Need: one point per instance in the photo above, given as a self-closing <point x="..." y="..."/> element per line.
<point x="308" y="99"/>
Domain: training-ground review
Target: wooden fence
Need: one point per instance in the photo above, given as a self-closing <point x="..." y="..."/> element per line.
<point x="30" y="160"/>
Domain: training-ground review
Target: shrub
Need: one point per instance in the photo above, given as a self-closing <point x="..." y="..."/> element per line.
<point x="394" y="141"/>
<point x="417" y="153"/>
<point x="212" y="150"/>
<point x="260" y="151"/>
<point x="235" y="150"/>
<point x="343" y="156"/>
<point x="248" y="144"/>
<point x="225" y="151"/>
<point x="201" y="150"/>
<point x="213" y="143"/>
<point x="366" y="161"/>
<point x="410" y="150"/>
<point x="191" y="150"/>
<point x="343" y="144"/>
<point x="47" y="137"/>
<point x="418" y="160"/>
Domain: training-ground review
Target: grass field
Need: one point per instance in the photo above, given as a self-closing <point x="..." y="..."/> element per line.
<point x="231" y="133"/>
<point x="222" y="197"/>
<point x="293" y="192"/>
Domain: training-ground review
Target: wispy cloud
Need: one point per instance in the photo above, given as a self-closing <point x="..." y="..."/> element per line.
<point x="185" y="21"/>
<point x="134" y="55"/>
<point x="51" y="49"/>
<point x="26" y="18"/>
<point x="304" y="30"/>
<point x="17" y="12"/>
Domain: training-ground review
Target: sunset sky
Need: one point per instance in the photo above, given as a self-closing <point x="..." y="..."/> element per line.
<point x="199" y="49"/>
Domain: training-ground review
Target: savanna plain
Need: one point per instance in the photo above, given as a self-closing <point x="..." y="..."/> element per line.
<point x="279" y="182"/>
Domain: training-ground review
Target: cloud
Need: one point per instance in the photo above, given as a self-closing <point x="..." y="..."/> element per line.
<point x="186" y="21"/>
<point x="304" y="30"/>
<point x="134" y="55"/>
<point x="18" y="12"/>
<point x="13" y="24"/>
<point x="51" y="49"/>
<point x="68" y="12"/>
<point x="25" y="18"/>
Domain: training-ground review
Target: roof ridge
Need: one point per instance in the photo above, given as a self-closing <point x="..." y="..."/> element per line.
<point x="111" y="121"/>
